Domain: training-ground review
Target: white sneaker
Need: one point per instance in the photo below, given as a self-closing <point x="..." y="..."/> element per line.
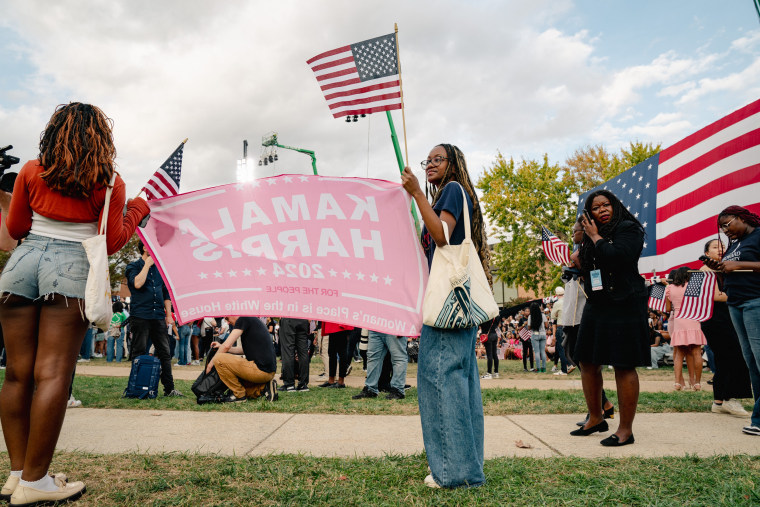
<point x="73" y="403"/>
<point x="495" y="375"/>
<point x="571" y="369"/>
<point x="749" y="430"/>
<point x="486" y="376"/>
<point x="717" y="409"/>
<point x="559" y="373"/>
<point x="83" y="360"/>
<point x="735" y="408"/>
<point x="554" y="368"/>
<point x="430" y="482"/>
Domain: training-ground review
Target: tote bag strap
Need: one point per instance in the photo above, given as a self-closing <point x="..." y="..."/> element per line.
<point x="466" y="212"/>
<point x="106" y="206"/>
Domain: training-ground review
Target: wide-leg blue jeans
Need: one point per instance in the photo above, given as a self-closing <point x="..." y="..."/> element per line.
<point x="451" y="406"/>
<point x="746" y="319"/>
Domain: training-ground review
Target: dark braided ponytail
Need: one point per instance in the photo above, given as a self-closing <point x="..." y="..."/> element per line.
<point x="456" y="170"/>
<point x="619" y="214"/>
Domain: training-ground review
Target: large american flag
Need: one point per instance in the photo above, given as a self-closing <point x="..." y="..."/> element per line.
<point x="361" y="78"/>
<point x="698" y="298"/>
<point x="555" y="249"/>
<point x="678" y="193"/>
<point x="165" y="181"/>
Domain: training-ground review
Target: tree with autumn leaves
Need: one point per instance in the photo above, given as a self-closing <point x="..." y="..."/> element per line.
<point x="520" y="197"/>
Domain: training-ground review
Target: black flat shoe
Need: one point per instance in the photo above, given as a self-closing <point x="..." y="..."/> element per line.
<point x="580" y="432"/>
<point x="614" y="441"/>
<point x="610" y="412"/>
<point x="583" y="422"/>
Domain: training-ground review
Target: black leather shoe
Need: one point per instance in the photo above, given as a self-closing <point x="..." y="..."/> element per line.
<point x="365" y="393"/>
<point x="580" y="432"/>
<point x="609" y="413"/>
<point x="614" y="441"/>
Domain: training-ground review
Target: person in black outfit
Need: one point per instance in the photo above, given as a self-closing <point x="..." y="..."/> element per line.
<point x="527" y="346"/>
<point x="294" y="338"/>
<point x="492" y="331"/>
<point x="614" y="327"/>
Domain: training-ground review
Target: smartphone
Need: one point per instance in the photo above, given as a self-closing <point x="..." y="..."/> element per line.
<point x="587" y="215"/>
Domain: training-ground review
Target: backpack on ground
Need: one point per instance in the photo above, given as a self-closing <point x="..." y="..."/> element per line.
<point x="144" y="377"/>
<point x="208" y="387"/>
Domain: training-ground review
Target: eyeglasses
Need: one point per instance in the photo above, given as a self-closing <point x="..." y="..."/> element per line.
<point x="725" y="226"/>
<point x="435" y="162"/>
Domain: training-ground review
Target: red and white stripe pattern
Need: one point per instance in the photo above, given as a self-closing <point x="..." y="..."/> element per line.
<point x="165" y="181"/>
<point x="361" y="78"/>
<point x="555" y="249"/>
<point x="524" y="333"/>
<point x="697" y="178"/>
<point x="698" y="298"/>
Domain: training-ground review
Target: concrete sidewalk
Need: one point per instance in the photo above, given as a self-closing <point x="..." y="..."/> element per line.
<point x="106" y="431"/>
<point x="541" y="381"/>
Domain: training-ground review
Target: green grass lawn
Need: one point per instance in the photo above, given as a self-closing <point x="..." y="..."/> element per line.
<point x="189" y="479"/>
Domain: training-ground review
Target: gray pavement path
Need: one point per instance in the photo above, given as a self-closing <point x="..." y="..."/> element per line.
<point x="106" y="431"/>
<point x="542" y="381"/>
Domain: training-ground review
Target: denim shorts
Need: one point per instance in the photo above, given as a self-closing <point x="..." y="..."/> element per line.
<point x="41" y="266"/>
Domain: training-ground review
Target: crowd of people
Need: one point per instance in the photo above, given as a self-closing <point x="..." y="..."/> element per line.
<point x="598" y="318"/>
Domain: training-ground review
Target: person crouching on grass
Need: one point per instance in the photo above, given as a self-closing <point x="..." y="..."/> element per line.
<point x="248" y="370"/>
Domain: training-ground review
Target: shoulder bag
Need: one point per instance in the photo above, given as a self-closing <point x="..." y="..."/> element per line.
<point x="458" y="295"/>
<point x="97" y="295"/>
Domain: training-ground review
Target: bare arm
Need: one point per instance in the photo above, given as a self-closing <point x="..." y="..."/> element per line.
<point x="432" y="221"/>
<point x="143" y="274"/>
<point x="226" y="347"/>
<point x="7" y="243"/>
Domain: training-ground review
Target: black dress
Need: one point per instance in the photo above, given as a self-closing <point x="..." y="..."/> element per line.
<point x="614" y="328"/>
<point x="731" y="379"/>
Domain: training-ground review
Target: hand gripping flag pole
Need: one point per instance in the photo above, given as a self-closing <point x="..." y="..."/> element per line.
<point x="165" y="181"/>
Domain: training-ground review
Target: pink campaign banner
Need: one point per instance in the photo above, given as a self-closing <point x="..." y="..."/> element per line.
<point x="339" y="250"/>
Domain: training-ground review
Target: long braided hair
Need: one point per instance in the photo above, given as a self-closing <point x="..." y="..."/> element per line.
<point x="619" y="214"/>
<point x="77" y="150"/>
<point x="744" y="214"/>
<point x="456" y="170"/>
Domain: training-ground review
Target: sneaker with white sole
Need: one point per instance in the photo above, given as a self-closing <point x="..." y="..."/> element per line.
<point x="73" y="402"/>
<point x="495" y="375"/>
<point x="571" y="369"/>
<point x="751" y="430"/>
<point x="554" y="368"/>
<point x="66" y="492"/>
<point x="560" y="373"/>
<point x="430" y="482"/>
<point x="486" y="376"/>
<point x="734" y="408"/>
<point x="270" y="391"/>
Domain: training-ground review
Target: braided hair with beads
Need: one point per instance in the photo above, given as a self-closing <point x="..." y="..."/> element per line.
<point x="77" y="150"/>
<point x="456" y="170"/>
<point x="619" y="214"/>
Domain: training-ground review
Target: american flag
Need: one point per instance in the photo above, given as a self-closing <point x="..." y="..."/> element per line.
<point x="657" y="297"/>
<point x="361" y="78"/>
<point x="165" y="181"/>
<point x="678" y="193"/>
<point x="555" y="249"/>
<point x="524" y="333"/>
<point x="698" y="298"/>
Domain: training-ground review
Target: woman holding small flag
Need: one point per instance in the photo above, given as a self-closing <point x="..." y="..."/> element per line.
<point x="614" y="326"/>
<point x="58" y="202"/>
<point x="448" y="384"/>
<point x="741" y="265"/>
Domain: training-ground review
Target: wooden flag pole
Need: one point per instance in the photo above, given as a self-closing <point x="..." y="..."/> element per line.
<point x="401" y="89"/>
<point x="141" y="190"/>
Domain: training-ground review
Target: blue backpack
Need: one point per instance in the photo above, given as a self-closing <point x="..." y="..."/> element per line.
<point x="144" y="377"/>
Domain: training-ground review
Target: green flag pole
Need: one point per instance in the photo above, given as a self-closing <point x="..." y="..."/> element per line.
<point x="400" y="161"/>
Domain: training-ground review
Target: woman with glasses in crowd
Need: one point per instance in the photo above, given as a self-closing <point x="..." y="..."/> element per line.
<point x="614" y="327"/>
<point x="448" y="384"/>
<point x="57" y="202"/>
<point x="740" y="266"/>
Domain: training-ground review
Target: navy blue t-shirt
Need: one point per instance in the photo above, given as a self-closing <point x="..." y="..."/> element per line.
<point x="741" y="287"/>
<point x="451" y="201"/>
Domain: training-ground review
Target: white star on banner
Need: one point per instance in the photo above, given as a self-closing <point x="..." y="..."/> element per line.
<point x="360" y="276"/>
<point x="628" y="208"/>
<point x="636" y="215"/>
<point x="387" y="280"/>
<point x="203" y="276"/>
<point x="304" y="178"/>
<point x="633" y="173"/>
<point x="333" y="273"/>
<point x="641" y="178"/>
<point x="374" y="277"/>
<point x="232" y="273"/>
<point x="256" y="184"/>
<point x="246" y="272"/>
<point x="645" y="244"/>
<point x="624" y="184"/>
<point x="618" y="180"/>
<point x="649" y="166"/>
<point x="272" y="181"/>
<point x="638" y="196"/>
<point x="647" y="185"/>
<point x="239" y="187"/>
<point x="217" y="274"/>
<point x="645" y="225"/>
<point x="288" y="179"/>
<point x="346" y="274"/>
<point x="261" y="271"/>
<point x="646" y="204"/>
<point x="630" y="190"/>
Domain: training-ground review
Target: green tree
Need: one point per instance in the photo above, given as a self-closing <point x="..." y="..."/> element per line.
<point x="519" y="199"/>
<point x="117" y="263"/>
<point x="593" y="165"/>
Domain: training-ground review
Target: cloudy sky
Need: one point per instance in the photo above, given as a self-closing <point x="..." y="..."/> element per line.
<point x="520" y="77"/>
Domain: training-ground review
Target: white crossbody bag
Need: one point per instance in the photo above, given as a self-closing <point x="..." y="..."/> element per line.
<point x="97" y="295"/>
<point x="458" y="295"/>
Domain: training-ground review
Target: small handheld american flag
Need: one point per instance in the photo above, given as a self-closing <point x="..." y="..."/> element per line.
<point x="524" y="333"/>
<point x="657" y="297"/>
<point x="165" y="181"/>
<point x="555" y="249"/>
<point x="698" y="297"/>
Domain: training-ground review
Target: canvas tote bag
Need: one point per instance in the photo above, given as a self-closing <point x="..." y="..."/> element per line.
<point x="458" y="295"/>
<point x="97" y="293"/>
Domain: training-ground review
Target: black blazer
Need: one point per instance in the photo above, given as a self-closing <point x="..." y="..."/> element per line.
<point x="617" y="257"/>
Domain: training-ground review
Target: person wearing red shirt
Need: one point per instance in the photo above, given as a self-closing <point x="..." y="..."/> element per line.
<point x="57" y="202"/>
